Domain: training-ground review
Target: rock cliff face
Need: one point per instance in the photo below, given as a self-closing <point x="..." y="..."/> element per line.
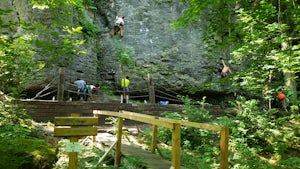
<point x="177" y="60"/>
<point x="179" y="57"/>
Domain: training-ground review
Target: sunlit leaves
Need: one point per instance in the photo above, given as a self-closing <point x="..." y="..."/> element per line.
<point x="16" y="61"/>
<point x="38" y="45"/>
<point x="254" y="31"/>
<point x="73" y="30"/>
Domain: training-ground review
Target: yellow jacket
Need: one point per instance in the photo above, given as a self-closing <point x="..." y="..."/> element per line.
<point x="125" y="82"/>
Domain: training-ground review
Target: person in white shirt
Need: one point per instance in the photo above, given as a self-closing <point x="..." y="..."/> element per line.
<point x="118" y="26"/>
<point x="88" y="91"/>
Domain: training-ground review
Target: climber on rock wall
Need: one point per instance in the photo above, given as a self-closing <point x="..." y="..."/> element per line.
<point x="118" y="26"/>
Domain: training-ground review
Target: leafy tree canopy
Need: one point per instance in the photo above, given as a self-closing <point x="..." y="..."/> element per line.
<point x="28" y="47"/>
<point x="262" y="37"/>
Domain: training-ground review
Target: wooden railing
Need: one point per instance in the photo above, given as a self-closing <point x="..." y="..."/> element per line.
<point x="175" y="126"/>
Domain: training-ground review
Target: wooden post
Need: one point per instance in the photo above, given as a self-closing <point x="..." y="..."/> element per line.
<point x="224" y="134"/>
<point x="79" y="126"/>
<point x="73" y="156"/>
<point x="151" y="90"/>
<point x="176" y="146"/>
<point x="118" y="145"/>
<point x="94" y="137"/>
<point x="61" y="84"/>
<point x="75" y="114"/>
<point x="154" y="139"/>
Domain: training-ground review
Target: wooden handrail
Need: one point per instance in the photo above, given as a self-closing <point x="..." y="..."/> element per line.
<point x="175" y="126"/>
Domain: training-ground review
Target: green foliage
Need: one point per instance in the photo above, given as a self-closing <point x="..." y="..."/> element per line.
<point x="191" y="112"/>
<point x="195" y="113"/>
<point x="12" y="115"/>
<point x="24" y="152"/>
<point x="105" y="88"/>
<point x="65" y="11"/>
<point x="36" y="45"/>
<point x="260" y="37"/>
<point x="60" y="10"/>
<point x="89" y="4"/>
<point x="16" y="53"/>
<point x="6" y="26"/>
<point x="114" y="122"/>
<point x="87" y="158"/>
<point x="133" y="162"/>
<point x="192" y="139"/>
<point x="255" y="135"/>
<point x="58" y="48"/>
<point x="256" y="138"/>
<point x="89" y="28"/>
<point x="18" y="147"/>
<point x="124" y="55"/>
<point x="261" y="49"/>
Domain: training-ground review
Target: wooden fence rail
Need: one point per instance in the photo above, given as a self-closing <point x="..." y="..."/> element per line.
<point x="175" y="126"/>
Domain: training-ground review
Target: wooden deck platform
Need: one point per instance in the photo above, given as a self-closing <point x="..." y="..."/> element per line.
<point x="153" y="161"/>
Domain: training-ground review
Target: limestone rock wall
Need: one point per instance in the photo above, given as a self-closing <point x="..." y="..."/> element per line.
<point x="177" y="60"/>
<point x="178" y="57"/>
<point x="83" y="66"/>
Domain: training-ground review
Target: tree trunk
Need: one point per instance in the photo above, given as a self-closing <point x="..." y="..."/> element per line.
<point x="289" y="76"/>
<point x="290" y="82"/>
<point x="151" y="90"/>
<point x="61" y="84"/>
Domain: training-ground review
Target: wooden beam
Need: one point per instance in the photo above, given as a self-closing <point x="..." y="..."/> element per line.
<point x="75" y="121"/>
<point x="162" y="120"/>
<point x="154" y="139"/>
<point x="175" y="126"/>
<point x="224" y="134"/>
<point x="176" y="146"/>
<point x="73" y="156"/>
<point x="106" y="153"/>
<point x="148" y="119"/>
<point x="201" y="125"/>
<point x="82" y="131"/>
<point x="137" y="117"/>
<point x="94" y="137"/>
<point x="118" y="145"/>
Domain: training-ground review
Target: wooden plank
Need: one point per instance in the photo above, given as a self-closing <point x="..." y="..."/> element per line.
<point x="137" y="117"/>
<point x="152" y="160"/>
<point x="154" y="120"/>
<point x="80" y="131"/>
<point x="160" y="121"/>
<point x="75" y="121"/>
<point x="154" y="139"/>
<point x="184" y="123"/>
<point x="171" y="121"/>
<point x="201" y="125"/>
